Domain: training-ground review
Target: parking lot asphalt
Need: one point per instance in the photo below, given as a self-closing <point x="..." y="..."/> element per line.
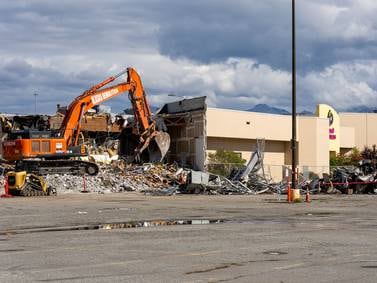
<point x="130" y="237"/>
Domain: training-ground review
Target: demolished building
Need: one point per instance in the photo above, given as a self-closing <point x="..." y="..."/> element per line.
<point x="197" y="130"/>
<point x="186" y="125"/>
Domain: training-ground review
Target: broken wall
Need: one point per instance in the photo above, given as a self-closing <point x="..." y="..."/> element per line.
<point x="186" y="123"/>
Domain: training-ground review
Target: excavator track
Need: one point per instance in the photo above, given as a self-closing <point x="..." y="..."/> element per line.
<point x="64" y="166"/>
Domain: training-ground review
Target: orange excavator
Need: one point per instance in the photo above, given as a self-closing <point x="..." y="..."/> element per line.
<point x="43" y="153"/>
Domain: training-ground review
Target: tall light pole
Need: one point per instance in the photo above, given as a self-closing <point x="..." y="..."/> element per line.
<point x="294" y="136"/>
<point x="35" y="103"/>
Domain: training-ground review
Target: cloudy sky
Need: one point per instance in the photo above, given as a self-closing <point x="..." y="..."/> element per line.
<point x="236" y="52"/>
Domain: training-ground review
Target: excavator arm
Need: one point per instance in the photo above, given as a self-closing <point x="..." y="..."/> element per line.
<point x="71" y="125"/>
<point x="144" y="126"/>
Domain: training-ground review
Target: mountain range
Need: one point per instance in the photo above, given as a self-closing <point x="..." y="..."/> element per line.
<point x="264" y="108"/>
<point x="362" y="109"/>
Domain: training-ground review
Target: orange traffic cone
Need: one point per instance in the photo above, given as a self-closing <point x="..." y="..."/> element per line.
<point x="6" y="189"/>
<point x="84" y="185"/>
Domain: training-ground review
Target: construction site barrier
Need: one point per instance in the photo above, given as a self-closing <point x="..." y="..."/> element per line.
<point x="6" y="189"/>
<point x="349" y="183"/>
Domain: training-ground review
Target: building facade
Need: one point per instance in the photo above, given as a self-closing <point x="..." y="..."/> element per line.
<point x="320" y="136"/>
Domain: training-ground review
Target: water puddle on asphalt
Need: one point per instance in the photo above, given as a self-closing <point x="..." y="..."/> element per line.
<point x="369" y="266"/>
<point x="112" y="226"/>
<point x="154" y="223"/>
<point x="274" y="253"/>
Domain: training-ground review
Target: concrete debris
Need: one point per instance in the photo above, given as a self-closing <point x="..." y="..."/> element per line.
<point x="104" y="153"/>
<point x="152" y="179"/>
<point x="120" y="177"/>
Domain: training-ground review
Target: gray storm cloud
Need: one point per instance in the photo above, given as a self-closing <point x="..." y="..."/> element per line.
<point x="235" y="52"/>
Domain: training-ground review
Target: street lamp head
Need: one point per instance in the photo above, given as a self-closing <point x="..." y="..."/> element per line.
<point x="176" y="95"/>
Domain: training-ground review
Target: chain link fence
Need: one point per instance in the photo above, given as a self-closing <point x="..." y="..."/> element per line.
<point x="276" y="173"/>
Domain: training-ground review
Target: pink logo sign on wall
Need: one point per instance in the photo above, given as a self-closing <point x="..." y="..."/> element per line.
<point x="332" y="134"/>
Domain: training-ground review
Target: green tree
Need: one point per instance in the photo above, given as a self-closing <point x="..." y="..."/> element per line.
<point x="225" y="156"/>
<point x="223" y="161"/>
<point x="346" y="160"/>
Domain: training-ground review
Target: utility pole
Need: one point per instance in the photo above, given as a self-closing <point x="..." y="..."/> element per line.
<point x="35" y="103"/>
<point x="294" y="136"/>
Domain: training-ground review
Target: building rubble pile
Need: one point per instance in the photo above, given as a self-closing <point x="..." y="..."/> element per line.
<point x="170" y="179"/>
<point x="115" y="175"/>
<point x="352" y="179"/>
<point x="155" y="179"/>
<point x="120" y="177"/>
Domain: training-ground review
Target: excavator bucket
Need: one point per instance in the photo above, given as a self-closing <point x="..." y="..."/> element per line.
<point x="159" y="146"/>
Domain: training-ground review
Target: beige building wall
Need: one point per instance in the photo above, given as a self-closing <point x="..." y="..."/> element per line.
<point x="238" y="131"/>
<point x="365" y="128"/>
<point x="327" y="112"/>
<point x="347" y="138"/>
<point x="247" y="125"/>
<point x="313" y="150"/>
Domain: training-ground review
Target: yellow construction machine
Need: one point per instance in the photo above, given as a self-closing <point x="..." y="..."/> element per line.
<point x="26" y="184"/>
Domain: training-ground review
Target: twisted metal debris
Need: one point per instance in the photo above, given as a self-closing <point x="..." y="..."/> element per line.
<point x="347" y="180"/>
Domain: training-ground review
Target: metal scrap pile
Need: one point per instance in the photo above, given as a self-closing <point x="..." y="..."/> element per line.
<point x="245" y="182"/>
<point x="226" y="186"/>
<point x="347" y="180"/>
<point x="249" y="180"/>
